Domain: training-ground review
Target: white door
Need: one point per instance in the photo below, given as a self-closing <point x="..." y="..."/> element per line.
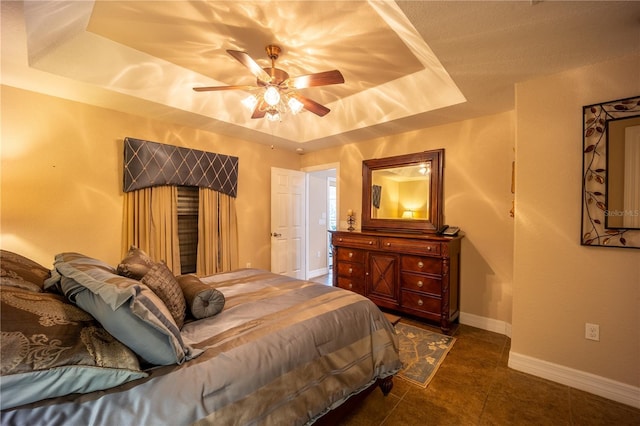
<point x="287" y="222"/>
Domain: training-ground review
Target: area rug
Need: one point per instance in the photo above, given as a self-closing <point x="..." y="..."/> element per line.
<point x="421" y="353"/>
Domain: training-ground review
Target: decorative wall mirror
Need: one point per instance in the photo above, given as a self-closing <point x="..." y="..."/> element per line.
<point x="611" y="174"/>
<point x="403" y="193"/>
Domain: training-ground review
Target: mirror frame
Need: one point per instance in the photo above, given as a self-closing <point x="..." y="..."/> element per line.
<point x="595" y="174"/>
<point x="436" y="157"/>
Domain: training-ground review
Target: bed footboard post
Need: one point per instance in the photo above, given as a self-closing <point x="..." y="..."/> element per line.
<point x="386" y="385"/>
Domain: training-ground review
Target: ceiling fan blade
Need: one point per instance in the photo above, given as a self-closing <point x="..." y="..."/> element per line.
<point x="319" y="79"/>
<point x="247" y="61"/>
<point x="260" y="110"/>
<point x="216" y="88"/>
<point x="313" y="106"/>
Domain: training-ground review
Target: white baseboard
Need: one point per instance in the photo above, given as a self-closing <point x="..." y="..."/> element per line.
<point x="317" y="272"/>
<point x="597" y="385"/>
<point x="484" y="323"/>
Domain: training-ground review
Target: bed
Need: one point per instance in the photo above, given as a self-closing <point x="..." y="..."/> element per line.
<point x="85" y="344"/>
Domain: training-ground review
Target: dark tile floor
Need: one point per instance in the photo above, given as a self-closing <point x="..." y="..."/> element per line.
<point x="474" y="386"/>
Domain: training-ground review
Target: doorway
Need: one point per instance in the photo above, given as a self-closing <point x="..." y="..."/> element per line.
<point x="322" y="208"/>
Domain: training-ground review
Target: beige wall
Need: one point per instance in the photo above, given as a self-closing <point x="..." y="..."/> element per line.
<point x="558" y="284"/>
<point x="477" y="191"/>
<point x="62" y="177"/>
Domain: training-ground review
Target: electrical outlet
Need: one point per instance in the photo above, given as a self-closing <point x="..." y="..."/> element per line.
<point x="592" y="332"/>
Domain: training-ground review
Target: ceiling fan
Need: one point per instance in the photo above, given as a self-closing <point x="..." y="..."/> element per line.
<point x="276" y="92"/>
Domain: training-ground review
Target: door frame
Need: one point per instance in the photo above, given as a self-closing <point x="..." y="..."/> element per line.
<point x="307" y="170"/>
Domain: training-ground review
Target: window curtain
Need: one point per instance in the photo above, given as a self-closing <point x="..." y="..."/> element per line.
<point x="217" y="233"/>
<point x="151" y="224"/>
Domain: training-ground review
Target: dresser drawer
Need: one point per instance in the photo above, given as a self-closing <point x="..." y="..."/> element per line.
<point x="364" y="241"/>
<point x="351" y="270"/>
<point x="350" y="255"/>
<point x="421" y="283"/>
<point x="351" y="284"/>
<point x="420" y="302"/>
<point x="411" y="246"/>
<point x="427" y="265"/>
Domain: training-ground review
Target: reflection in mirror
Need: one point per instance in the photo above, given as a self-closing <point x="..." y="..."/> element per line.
<point x="623" y="183"/>
<point x="401" y="192"/>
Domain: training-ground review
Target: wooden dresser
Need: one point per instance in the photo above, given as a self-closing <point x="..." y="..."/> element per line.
<point x="416" y="274"/>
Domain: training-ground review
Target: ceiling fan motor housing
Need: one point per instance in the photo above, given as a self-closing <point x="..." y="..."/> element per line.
<point x="277" y="77"/>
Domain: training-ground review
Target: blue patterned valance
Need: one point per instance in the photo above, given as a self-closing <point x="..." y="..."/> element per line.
<point x="149" y="164"/>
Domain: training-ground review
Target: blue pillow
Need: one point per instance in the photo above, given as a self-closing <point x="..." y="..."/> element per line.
<point x="126" y="308"/>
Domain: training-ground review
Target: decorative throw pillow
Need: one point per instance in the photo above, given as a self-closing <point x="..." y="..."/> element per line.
<point x="18" y="271"/>
<point x="126" y="308"/>
<point x="51" y="348"/>
<point x="135" y="264"/>
<point x="161" y="281"/>
<point x="202" y="300"/>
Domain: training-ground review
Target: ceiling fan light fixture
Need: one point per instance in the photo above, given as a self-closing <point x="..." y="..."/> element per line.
<point x="250" y="102"/>
<point x="273" y="115"/>
<point x="295" y="105"/>
<point x="425" y="169"/>
<point x="272" y="96"/>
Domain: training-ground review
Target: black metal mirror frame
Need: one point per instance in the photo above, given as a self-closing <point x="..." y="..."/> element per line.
<point x="436" y="158"/>
<point x="594" y="231"/>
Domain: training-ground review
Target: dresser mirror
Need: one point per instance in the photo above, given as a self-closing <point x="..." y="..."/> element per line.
<point x="611" y="174"/>
<point x="403" y="193"/>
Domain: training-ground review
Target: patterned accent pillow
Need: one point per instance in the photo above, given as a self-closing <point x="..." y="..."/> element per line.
<point x="49" y="348"/>
<point x="18" y="271"/>
<point x="126" y="308"/>
<point x="136" y="264"/>
<point x="161" y="281"/>
<point x="202" y="300"/>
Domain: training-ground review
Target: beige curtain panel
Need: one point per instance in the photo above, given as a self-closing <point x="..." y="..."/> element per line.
<point x="217" y="233"/>
<point x="151" y="224"/>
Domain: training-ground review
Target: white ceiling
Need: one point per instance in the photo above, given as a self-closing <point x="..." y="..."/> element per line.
<point x="407" y="64"/>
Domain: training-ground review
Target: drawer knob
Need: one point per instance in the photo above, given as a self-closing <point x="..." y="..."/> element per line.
<point x="428" y="248"/>
<point x="388" y="244"/>
<point x="420" y="302"/>
<point x="350" y="254"/>
<point x="340" y="239"/>
<point x="370" y="243"/>
<point x="420" y="284"/>
<point x="350" y="285"/>
<point x="350" y="270"/>
<point x="420" y="265"/>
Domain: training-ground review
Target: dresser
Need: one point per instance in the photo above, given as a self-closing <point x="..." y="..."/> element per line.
<point x="416" y="274"/>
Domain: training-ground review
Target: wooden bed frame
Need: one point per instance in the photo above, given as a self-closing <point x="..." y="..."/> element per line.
<point x="334" y="416"/>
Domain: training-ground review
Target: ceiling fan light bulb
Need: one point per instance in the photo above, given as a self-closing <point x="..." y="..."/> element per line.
<point x="295" y="105"/>
<point x="272" y="96"/>
<point x="250" y="102"/>
<point x="273" y="116"/>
